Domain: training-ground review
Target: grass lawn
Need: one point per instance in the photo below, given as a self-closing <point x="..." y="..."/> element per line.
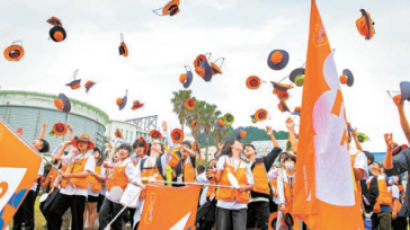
<point x="39" y="219"/>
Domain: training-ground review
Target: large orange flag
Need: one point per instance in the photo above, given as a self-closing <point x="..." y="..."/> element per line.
<point x="324" y="184"/>
<point x="19" y="164"/>
<point x="169" y="208"/>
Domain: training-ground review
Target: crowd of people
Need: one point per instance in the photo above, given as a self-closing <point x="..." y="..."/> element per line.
<point x="242" y="189"/>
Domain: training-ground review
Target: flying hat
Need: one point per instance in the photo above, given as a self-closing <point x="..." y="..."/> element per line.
<point x="20" y="131"/>
<point x="253" y="82"/>
<point x="136" y="105"/>
<point x="54" y="21"/>
<point x="88" y="85"/>
<point x="155" y="134"/>
<point x="282" y="106"/>
<point x="297" y="110"/>
<point x="347" y="77"/>
<point x="361" y="137"/>
<point x="59" y="129"/>
<point x="261" y="114"/>
<point x="57" y="33"/>
<point x="253" y="119"/>
<point x="278" y="59"/>
<point x="76" y="83"/>
<point x="240" y="134"/>
<point x="186" y="78"/>
<point x="228" y="119"/>
<point x="365" y="25"/>
<point x="171" y="9"/>
<point x="219" y="124"/>
<point x="14" y="52"/>
<point x="177" y="135"/>
<point x="122" y="49"/>
<point x="194" y="124"/>
<point x="118" y="133"/>
<point x="62" y="103"/>
<point x="281" y="90"/>
<point x="204" y="70"/>
<point x="397" y="149"/>
<point x="121" y="102"/>
<point x="297" y="76"/>
<point x="190" y="103"/>
<point x="83" y="138"/>
<point x="201" y="58"/>
<point x="215" y="68"/>
<point x="405" y="90"/>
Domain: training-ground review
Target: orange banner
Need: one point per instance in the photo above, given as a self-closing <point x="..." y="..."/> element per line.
<point x="169" y="208"/>
<point x="324" y="185"/>
<point x="19" y="164"/>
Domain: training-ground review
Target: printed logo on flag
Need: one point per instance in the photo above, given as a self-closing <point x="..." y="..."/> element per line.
<point x="10" y="179"/>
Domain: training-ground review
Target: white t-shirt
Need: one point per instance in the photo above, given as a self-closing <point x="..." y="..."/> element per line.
<point x="129" y="171"/>
<point x="395" y="192"/>
<point x="201" y="178"/>
<point x="281" y="179"/>
<point x="89" y="166"/>
<point x="360" y="162"/>
<point x="220" y="165"/>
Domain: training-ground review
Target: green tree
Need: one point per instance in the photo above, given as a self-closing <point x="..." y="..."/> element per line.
<point x="207" y="116"/>
<point x="178" y="102"/>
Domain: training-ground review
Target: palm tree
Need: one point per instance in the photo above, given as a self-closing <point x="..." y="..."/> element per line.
<point x="220" y="134"/>
<point x="207" y="116"/>
<point x="179" y="105"/>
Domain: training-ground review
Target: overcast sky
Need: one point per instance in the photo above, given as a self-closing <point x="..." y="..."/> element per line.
<point x="242" y="31"/>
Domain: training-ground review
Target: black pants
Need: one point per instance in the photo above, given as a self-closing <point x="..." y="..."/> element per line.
<point x="25" y="214"/>
<point x="230" y="219"/>
<point x="258" y="215"/>
<point x="108" y="211"/>
<point x="58" y="208"/>
<point x="400" y="223"/>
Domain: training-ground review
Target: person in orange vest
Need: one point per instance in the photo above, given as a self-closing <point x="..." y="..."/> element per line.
<point x="95" y="186"/>
<point x="25" y="213"/>
<point x="153" y="168"/>
<point x="121" y="175"/>
<point x="258" y="207"/>
<point x="232" y="203"/>
<point x="185" y="170"/>
<point x="285" y="187"/>
<point x="74" y="189"/>
<point x="140" y="147"/>
<point x="398" y="222"/>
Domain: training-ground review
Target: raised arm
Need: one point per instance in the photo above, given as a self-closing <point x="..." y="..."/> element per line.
<point x="71" y="135"/>
<point x="388" y="160"/>
<point x="60" y="152"/>
<point x="290" y="125"/>
<point x="356" y="141"/>
<point x="403" y="120"/>
<point x="43" y="131"/>
<point x="271" y="135"/>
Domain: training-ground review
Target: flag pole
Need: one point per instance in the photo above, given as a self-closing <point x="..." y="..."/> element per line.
<point x="146" y="180"/>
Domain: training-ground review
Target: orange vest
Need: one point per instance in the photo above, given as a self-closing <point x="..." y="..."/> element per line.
<point x="77" y="167"/>
<point x="149" y="172"/>
<point x="261" y="179"/>
<point x="385" y="196"/>
<point x="118" y="178"/>
<point x="51" y="177"/>
<point x="96" y="185"/>
<point x="229" y="195"/>
<point x="288" y="193"/>
<point x="189" y="171"/>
